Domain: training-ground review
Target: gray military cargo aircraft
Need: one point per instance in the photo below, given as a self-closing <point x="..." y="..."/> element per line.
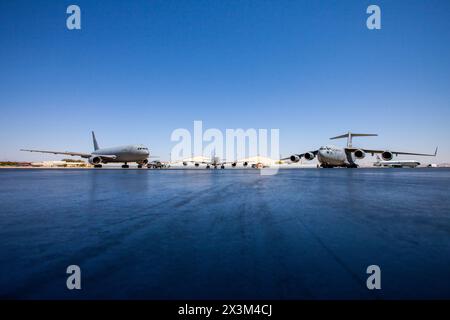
<point x="331" y="156"/>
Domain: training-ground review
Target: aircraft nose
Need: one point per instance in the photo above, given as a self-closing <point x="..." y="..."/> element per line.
<point x="322" y="153"/>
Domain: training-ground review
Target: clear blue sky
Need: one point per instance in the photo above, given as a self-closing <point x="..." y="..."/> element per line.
<point x="139" y="69"/>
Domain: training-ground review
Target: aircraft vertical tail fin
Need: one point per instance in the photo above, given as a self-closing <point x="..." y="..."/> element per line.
<point x="94" y="140"/>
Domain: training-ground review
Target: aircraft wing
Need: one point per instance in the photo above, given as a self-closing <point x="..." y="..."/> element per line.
<point x="394" y="152"/>
<point x="301" y="155"/>
<point x="75" y="154"/>
<point x="192" y="161"/>
<point x="228" y="162"/>
<point x="201" y="162"/>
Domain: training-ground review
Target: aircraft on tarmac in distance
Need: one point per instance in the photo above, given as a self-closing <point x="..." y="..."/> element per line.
<point x="213" y="162"/>
<point x="396" y="163"/>
<point x="130" y="153"/>
<point x="332" y="156"/>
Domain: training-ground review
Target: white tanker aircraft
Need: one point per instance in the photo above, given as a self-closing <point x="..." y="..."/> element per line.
<point x="331" y="156"/>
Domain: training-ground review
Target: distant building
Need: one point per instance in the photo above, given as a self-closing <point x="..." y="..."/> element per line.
<point x="24" y="164"/>
<point x="61" y="164"/>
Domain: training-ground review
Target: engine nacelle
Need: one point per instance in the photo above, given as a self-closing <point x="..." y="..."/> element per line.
<point x="95" y="160"/>
<point x="295" y="158"/>
<point x="387" y="155"/>
<point x="197" y="164"/>
<point x="145" y="162"/>
<point x="245" y="163"/>
<point x="359" y="154"/>
<point x="234" y="164"/>
<point x="309" y="156"/>
<point x="185" y="164"/>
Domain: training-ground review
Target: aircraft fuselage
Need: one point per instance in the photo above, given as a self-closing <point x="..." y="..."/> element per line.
<point x="332" y="156"/>
<point x="128" y="153"/>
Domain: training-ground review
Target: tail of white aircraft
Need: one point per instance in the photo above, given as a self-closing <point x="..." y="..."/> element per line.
<point x="349" y="135"/>
<point x="94" y="141"/>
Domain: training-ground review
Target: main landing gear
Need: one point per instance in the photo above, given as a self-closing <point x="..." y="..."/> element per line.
<point x="140" y="166"/>
<point x="97" y="166"/>
<point x="350" y="166"/>
<point x="125" y="166"/>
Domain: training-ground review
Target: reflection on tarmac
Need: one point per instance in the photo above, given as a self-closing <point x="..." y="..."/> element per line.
<point x="186" y="234"/>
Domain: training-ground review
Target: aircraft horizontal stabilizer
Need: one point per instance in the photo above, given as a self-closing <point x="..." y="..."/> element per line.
<point x="354" y="135"/>
<point x="349" y="135"/>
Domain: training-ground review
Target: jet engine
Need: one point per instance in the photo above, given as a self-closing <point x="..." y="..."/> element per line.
<point x="295" y="158"/>
<point x="245" y="163"/>
<point x="387" y="156"/>
<point x="359" y="154"/>
<point x="309" y="156"/>
<point x="145" y="162"/>
<point x="185" y="164"/>
<point x="95" y="160"/>
<point x="234" y="164"/>
<point x="197" y="164"/>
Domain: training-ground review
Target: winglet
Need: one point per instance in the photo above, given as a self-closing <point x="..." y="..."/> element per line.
<point x="94" y="141"/>
<point x="435" y="151"/>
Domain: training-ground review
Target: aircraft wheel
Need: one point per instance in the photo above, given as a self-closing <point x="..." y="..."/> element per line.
<point x="140" y="166"/>
<point x="98" y="166"/>
<point x="125" y="166"/>
<point x="208" y="167"/>
<point x="222" y="167"/>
